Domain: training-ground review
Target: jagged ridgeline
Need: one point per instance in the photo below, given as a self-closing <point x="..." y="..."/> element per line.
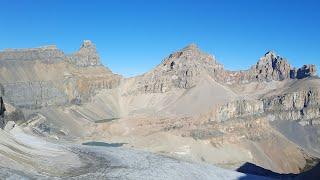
<point x="189" y="107"/>
<point x="184" y="68"/>
<point x="45" y="76"/>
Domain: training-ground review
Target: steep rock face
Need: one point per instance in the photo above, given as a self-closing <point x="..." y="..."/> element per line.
<point x="181" y="69"/>
<point x="45" y="54"/>
<point x="89" y="76"/>
<point x="302" y="106"/>
<point x="23" y="84"/>
<point x="86" y="56"/>
<point x="34" y="94"/>
<point x="238" y="109"/>
<point x="87" y="81"/>
<point x="270" y="67"/>
<point x="45" y="76"/>
<point x="304" y="71"/>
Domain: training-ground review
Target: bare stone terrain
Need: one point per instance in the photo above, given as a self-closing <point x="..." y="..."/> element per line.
<point x="185" y="119"/>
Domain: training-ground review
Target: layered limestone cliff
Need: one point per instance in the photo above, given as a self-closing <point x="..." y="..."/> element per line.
<point x="89" y="76"/>
<point x="45" y="76"/>
<point x="302" y="106"/>
<point x="34" y="94"/>
<point x="45" y="54"/>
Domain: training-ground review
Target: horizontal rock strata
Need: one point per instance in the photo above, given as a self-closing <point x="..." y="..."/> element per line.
<point x="302" y="106"/>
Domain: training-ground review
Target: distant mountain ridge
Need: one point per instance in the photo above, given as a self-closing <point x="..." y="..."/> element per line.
<point x="189" y="106"/>
<point x="59" y="79"/>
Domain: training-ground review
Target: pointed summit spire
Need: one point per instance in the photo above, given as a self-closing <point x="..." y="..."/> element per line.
<point x="87" y="55"/>
<point x="87" y="44"/>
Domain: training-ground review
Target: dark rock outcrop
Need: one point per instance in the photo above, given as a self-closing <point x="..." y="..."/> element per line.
<point x="304" y="71"/>
<point x="2" y="110"/>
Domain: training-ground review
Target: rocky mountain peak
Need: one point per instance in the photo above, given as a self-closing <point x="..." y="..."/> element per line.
<point x="87" y="55"/>
<point x="192" y="47"/>
<point x="190" y="54"/>
<point x="272" y="67"/>
<point x="270" y="54"/>
<point x="181" y="69"/>
<point x="189" y="60"/>
<point x="88" y="44"/>
<point x="268" y="58"/>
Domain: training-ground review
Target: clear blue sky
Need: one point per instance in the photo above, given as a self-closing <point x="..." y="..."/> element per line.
<point x="133" y="36"/>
